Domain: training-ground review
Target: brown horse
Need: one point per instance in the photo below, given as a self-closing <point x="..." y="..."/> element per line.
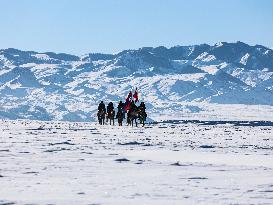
<point x="131" y="117"/>
<point x="111" y="116"/>
<point x="119" y="117"/>
<point x="142" y="117"/>
<point x="101" y="117"/>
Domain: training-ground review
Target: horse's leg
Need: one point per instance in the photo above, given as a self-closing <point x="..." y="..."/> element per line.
<point x="141" y="121"/>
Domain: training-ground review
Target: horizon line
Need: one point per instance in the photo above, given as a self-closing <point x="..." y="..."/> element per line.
<point x="131" y="49"/>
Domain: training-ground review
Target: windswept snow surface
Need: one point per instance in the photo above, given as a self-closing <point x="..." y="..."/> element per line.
<point x="166" y="163"/>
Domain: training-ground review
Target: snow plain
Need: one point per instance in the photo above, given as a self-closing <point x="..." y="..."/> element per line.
<point x="165" y="163"/>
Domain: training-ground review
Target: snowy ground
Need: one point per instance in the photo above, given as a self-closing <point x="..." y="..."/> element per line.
<point x="165" y="163"/>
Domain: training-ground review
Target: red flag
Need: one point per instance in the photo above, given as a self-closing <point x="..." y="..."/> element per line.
<point x="136" y="96"/>
<point x="129" y="96"/>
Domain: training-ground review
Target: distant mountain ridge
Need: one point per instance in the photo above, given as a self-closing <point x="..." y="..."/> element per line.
<point x="51" y="86"/>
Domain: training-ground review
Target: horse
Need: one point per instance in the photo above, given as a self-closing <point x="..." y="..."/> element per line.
<point x="120" y="117"/>
<point x="131" y="117"/>
<point x="142" y="117"/>
<point x="101" y="117"/>
<point x="111" y="116"/>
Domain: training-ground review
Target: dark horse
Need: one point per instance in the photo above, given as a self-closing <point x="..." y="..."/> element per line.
<point x="111" y="116"/>
<point x="131" y="117"/>
<point x="101" y="117"/>
<point x="142" y="117"/>
<point x="120" y="117"/>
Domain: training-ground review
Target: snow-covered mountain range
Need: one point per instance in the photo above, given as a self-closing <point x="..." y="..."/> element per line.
<point x="185" y="79"/>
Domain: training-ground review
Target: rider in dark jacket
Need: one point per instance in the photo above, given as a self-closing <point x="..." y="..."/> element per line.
<point x="101" y="107"/>
<point x="120" y="106"/>
<point x="133" y="107"/>
<point x="142" y="106"/>
<point x="142" y="109"/>
<point x="110" y="107"/>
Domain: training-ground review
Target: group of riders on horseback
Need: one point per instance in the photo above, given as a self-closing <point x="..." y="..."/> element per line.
<point x="133" y="112"/>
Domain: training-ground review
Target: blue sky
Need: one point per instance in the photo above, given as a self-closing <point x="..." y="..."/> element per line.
<point x="109" y="26"/>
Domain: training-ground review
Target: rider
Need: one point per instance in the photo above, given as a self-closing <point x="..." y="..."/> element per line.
<point x="133" y="107"/>
<point x="141" y="109"/>
<point x="120" y="106"/>
<point x="142" y="106"/>
<point x="110" y="107"/>
<point x="101" y="107"/>
<point x="101" y="113"/>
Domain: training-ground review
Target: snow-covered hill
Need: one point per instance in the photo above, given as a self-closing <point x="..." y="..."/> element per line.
<point x="177" y="81"/>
